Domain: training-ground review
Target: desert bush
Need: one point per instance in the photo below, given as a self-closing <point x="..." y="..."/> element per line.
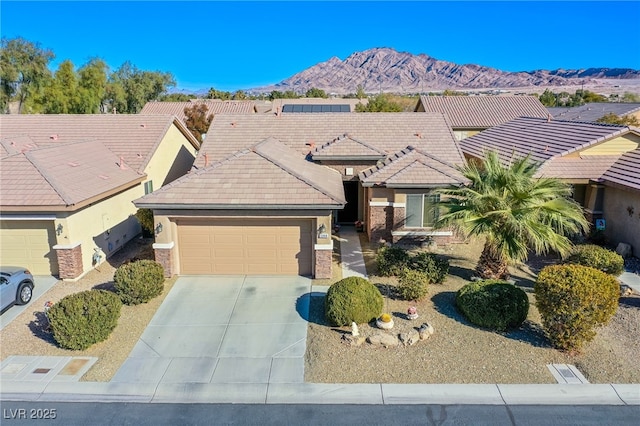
<point x="597" y="257"/>
<point x="138" y="282"/>
<point x="435" y="267"/>
<point x="493" y="304"/>
<point x="145" y="217"/>
<point x="352" y="299"/>
<point x="81" y="319"/>
<point x="413" y="285"/>
<point x="573" y="300"/>
<point x="391" y="260"/>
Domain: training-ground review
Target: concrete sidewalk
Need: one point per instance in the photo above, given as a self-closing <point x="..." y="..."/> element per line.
<point x="351" y="258"/>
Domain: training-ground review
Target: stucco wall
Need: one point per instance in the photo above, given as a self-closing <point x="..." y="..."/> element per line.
<point x="613" y="146"/>
<point x="621" y="211"/>
<point x="173" y="158"/>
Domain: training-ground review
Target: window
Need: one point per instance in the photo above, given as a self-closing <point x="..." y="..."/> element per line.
<point x="422" y="211"/>
<point x="148" y="187"/>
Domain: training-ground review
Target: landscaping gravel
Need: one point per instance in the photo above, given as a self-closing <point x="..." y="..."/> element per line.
<point x="459" y="352"/>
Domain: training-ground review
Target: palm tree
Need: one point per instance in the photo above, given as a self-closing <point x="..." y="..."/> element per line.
<point x="514" y="211"/>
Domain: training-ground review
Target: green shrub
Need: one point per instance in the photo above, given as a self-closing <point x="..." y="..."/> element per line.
<point x="493" y="304"/>
<point x="138" y="282"/>
<point x="573" y="300"/>
<point x="352" y="299"/>
<point x="145" y="217"/>
<point x="413" y="285"/>
<point x="82" y="319"/>
<point x="597" y="257"/>
<point x="435" y="267"/>
<point x="391" y="260"/>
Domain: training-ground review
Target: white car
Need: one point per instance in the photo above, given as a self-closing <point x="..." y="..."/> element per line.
<point x="16" y="286"/>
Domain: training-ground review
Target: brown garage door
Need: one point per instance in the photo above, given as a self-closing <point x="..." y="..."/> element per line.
<point x="29" y="244"/>
<point x="252" y="247"/>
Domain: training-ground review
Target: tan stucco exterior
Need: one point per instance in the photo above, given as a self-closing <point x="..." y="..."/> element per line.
<point x="615" y="146"/>
<point x="173" y="157"/>
<point x="621" y="211"/>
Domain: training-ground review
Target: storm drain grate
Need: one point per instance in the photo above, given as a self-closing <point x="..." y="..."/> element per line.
<point x="567" y="374"/>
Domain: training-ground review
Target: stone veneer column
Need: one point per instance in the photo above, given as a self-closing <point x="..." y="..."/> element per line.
<point x="323" y="267"/>
<point x="381" y="223"/>
<point x="69" y="261"/>
<point x="164" y="256"/>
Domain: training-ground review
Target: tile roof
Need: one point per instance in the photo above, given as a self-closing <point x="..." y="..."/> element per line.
<point x="543" y="139"/>
<point x="625" y="171"/>
<point x="345" y="146"/>
<point x="266" y="175"/>
<point x="133" y="136"/>
<point x="577" y="169"/>
<point x="215" y="106"/>
<point x="62" y="176"/>
<point x="412" y="167"/>
<point x="384" y="132"/>
<point x="478" y="112"/>
<point x="594" y="111"/>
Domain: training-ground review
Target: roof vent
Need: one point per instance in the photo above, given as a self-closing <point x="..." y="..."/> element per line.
<point x="122" y="167"/>
<point x="105" y="177"/>
<point x="54" y="137"/>
<point x="418" y="135"/>
<point x="143" y="125"/>
<point x="73" y="164"/>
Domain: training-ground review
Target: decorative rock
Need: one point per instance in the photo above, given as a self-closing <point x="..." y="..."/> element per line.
<point x="625" y="290"/>
<point x="384" y="325"/>
<point x="410" y="338"/>
<point x="383" y="339"/>
<point x="352" y="340"/>
<point x="624" y="250"/>
<point x="354" y="329"/>
<point x="425" y="331"/>
<point x="412" y="313"/>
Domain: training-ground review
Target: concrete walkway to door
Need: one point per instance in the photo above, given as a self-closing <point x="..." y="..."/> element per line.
<point x="351" y="257"/>
<point x="224" y="330"/>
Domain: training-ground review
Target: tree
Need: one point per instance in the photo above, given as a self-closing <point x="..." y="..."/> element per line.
<point x="177" y="97"/>
<point x="129" y="88"/>
<point x="316" y="93"/>
<point x="197" y="120"/>
<point x="625" y="120"/>
<point x="360" y="93"/>
<point x="548" y="98"/>
<point x="61" y="94"/>
<point x="289" y="94"/>
<point x="380" y="103"/>
<point x="23" y="70"/>
<point x="514" y="211"/>
<point x="239" y="95"/>
<point x="92" y="84"/>
<point x="630" y="97"/>
<point x="218" y="94"/>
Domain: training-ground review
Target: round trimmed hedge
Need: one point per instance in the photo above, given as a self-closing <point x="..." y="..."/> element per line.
<point x="138" y="282"/>
<point x="413" y="285"/>
<point x="81" y="319"/>
<point x="352" y="299"/>
<point x="573" y="300"/>
<point x="597" y="257"/>
<point x="493" y="304"/>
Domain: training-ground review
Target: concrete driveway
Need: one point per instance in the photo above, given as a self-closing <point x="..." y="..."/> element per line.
<point x="224" y="329"/>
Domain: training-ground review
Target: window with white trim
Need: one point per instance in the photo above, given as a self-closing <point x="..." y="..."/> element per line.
<point x="148" y="187"/>
<point x="421" y="210"/>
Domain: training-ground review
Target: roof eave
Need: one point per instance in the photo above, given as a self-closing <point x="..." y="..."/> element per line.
<point x="165" y="206"/>
<point x="317" y="157"/>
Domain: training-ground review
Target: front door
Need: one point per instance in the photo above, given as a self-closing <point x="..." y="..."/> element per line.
<point x="350" y="212"/>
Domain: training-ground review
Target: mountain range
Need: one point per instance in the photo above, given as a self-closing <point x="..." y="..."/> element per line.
<point x="387" y="70"/>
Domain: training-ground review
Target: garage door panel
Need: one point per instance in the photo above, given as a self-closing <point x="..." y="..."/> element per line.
<point x="29" y="244"/>
<point x="247" y="247"/>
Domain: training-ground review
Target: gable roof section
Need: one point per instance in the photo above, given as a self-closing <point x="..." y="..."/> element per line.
<point x="594" y="111"/>
<point x="134" y="137"/>
<point x="543" y="139"/>
<point x="479" y="112"/>
<point x="625" y="171"/>
<point x="215" y="106"/>
<point x="268" y="175"/>
<point x="63" y="176"/>
<point x="383" y="132"/>
<point x="577" y="169"/>
<point x="412" y="167"/>
<point x="346" y="147"/>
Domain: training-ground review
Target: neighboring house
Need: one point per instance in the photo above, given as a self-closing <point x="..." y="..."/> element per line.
<point x="215" y="106"/>
<point x="67" y="183"/>
<point x="578" y="153"/>
<point x="267" y="189"/>
<point x="469" y="115"/>
<point x="595" y="111"/>
<point x="621" y="201"/>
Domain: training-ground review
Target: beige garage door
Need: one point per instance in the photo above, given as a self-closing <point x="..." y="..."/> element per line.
<point x="252" y="247"/>
<point x="28" y="243"/>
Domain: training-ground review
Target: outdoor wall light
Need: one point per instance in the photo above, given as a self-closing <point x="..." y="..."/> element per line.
<point x="158" y="228"/>
<point x="322" y="229"/>
<point x="59" y="229"/>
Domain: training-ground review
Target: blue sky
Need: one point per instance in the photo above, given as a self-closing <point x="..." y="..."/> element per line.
<point x="240" y="44"/>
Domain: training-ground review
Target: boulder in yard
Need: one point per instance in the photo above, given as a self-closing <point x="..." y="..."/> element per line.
<point x="625" y="250"/>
